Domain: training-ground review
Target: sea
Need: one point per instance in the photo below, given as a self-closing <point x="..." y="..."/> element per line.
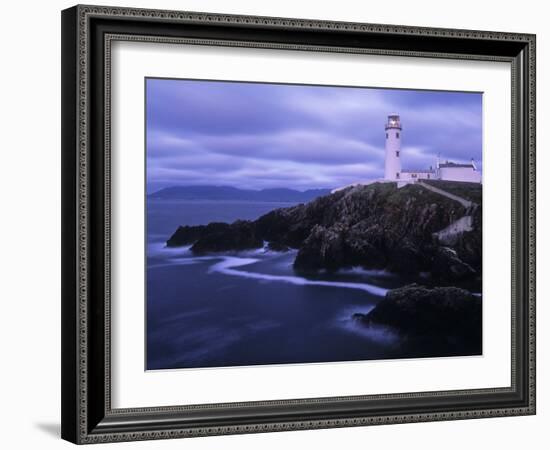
<point x="249" y="308"/>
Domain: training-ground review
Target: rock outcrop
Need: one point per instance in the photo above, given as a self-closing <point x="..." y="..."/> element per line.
<point x="418" y="310"/>
<point x="443" y="317"/>
<point x="217" y="237"/>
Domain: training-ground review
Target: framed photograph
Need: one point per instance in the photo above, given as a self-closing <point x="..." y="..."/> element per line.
<point x="278" y="224"/>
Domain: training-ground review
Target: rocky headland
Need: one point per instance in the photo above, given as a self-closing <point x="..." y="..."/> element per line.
<point x="410" y="230"/>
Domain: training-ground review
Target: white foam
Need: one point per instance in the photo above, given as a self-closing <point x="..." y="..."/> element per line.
<point x="161" y="249"/>
<point x="368" y="272"/>
<point x="182" y="261"/>
<point x="377" y="333"/>
<point x="229" y="263"/>
<point x="174" y="262"/>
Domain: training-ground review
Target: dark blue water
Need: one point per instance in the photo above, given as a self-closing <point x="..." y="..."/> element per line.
<point x="250" y="308"/>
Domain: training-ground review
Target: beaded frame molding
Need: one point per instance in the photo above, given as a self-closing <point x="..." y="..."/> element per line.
<point x="87" y="35"/>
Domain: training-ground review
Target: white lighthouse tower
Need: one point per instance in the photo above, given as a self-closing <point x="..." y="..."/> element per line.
<point x="393" y="148"/>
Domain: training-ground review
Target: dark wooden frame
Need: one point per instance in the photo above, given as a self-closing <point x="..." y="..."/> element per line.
<point x="87" y="31"/>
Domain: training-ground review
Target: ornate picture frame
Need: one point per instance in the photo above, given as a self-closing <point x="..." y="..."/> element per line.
<point x="88" y="33"/>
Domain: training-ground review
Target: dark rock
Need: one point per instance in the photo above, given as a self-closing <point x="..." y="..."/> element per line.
<point x="440" y="313"/>
<point x="408" y="257"/>
<point x="217" y="237"/>
<point x="360" y="317"/>
<point x="447" y="266"/>
<point x="469" y="245"/>
<point x="376" y="226"/>
<point x="277" y="247"/>
<point x="188" y="235"/>
<point x="240" y="235"/>
<point x="287" y="226"/>
<point x="324" y="248"/>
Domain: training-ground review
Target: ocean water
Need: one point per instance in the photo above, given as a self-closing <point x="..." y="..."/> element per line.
<point x="249" y="308"/>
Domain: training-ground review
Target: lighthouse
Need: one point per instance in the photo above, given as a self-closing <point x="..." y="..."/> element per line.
<point x="393" y="148"/>
<point x="393" y="173"/>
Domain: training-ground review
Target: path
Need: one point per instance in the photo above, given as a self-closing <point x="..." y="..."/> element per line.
<point x="461" y="200"/>
<point x="449" y="234"/>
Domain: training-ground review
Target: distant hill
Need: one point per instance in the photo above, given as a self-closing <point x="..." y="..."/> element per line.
<point x="230" y="193"/>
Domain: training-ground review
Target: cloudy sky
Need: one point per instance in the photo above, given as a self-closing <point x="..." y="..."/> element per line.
<point x="256" y="135"/>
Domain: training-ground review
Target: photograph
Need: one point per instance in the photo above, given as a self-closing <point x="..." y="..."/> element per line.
<point x="299" y="224"/>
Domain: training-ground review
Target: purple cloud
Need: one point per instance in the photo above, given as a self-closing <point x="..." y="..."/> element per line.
<point x="259" y="135"/>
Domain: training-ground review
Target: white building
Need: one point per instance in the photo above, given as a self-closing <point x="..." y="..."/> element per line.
<point x="458" y="172"/>
<point x="449" y="171"/>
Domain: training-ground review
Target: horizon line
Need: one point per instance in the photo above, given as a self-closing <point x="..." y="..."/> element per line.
<point x="239" y="188"/>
